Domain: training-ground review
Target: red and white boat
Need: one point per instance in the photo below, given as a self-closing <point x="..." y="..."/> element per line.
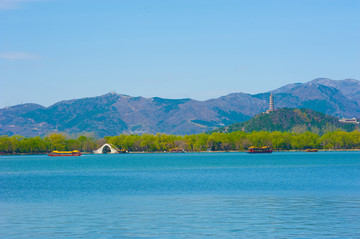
<point x="264" y="149"/>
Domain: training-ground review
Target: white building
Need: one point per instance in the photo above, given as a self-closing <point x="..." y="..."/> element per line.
<point x="348" y="120"/>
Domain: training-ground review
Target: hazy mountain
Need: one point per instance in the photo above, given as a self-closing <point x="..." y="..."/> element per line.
<point x="318" y="97"/>
<point x="348" y="87"/>
<point x="113" y="114"/>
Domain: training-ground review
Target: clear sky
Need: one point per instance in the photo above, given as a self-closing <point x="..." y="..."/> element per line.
<point x="52" y="50"/>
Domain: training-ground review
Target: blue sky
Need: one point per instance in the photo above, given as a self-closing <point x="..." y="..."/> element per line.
<point x="52" y="50"/>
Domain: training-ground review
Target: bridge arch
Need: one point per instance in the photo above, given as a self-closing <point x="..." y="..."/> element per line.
<point x="106" y="148"/>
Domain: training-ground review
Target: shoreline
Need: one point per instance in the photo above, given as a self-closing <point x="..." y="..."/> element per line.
<point x="228" y="151"/>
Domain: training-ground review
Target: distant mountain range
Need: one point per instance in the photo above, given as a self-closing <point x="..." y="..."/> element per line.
<point x="114" y="114"/>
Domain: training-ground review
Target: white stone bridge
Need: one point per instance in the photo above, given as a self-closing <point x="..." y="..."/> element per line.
<point x="106" y="149"/>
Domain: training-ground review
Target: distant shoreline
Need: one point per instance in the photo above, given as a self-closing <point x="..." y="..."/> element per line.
<point x="229" y="151"/>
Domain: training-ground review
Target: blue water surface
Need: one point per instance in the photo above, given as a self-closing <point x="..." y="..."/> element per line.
<point x="191" y="195"/>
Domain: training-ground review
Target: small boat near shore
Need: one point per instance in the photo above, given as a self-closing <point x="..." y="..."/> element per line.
<point x="122" y="151"/>
<point x="176" y="150"/>
<point x="264" y="149"/>
<point x="311" y="150"/>
<point x="64" y="153"/>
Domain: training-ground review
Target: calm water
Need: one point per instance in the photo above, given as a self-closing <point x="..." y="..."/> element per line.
<point x="232" y="195"/>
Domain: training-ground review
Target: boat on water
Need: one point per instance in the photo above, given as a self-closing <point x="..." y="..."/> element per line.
<point x="311" y="150"/>
<point x="65" y="153"/>
<point x="122" y="151"/>
<point x="176" y="150"/>
<point x="264" y="149"/>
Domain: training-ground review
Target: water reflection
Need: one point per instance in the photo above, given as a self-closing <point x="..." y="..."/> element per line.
<point x="185" y="217"/>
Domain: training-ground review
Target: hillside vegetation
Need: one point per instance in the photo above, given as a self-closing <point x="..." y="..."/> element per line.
<point x="291" y="120"/>
<point x="236" y="141"/>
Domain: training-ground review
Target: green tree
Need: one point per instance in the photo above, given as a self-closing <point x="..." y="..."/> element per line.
<point x="260" y="138"/>
<point x="56" y="141"/>
<point x="5" y="144"/>
<point x="280" y="141"/>
<point x="201" y="142"/>
<point x="330" y="140"/>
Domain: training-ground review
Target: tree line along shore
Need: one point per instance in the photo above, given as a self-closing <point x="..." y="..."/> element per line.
<point x="235" y="141"/>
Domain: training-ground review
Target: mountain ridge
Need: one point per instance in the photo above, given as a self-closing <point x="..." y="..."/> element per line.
<point x="113" y="114"/>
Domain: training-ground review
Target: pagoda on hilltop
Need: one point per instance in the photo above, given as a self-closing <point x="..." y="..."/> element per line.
<point x="271" y="104"/>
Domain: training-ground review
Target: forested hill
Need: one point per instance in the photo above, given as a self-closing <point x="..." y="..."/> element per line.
<point x="291" y="120"/>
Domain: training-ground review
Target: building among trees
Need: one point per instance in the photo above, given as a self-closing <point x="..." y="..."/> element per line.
<point x="351" y="121"/>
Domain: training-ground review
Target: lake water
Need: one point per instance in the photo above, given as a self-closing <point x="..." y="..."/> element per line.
<point x="191" y="195"/>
